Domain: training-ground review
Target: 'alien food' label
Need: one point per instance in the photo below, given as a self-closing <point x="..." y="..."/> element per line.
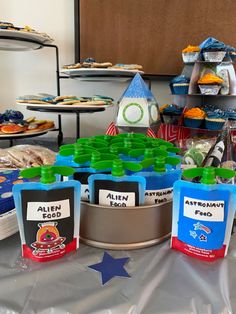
<point x="48" y="210"/>
<point x="116" y="199"/>
<point x="204" y="209"/>
<point x="161" y="196"/>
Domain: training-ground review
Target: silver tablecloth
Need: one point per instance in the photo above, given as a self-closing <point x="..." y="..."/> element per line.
<point x="162" y="281"/>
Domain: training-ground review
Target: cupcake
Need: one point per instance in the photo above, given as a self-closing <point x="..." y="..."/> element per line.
<point x="213" y="50"/>
<point x="231" y="52"/>
<point x="215" y="120"/>
<point x="179" y="85"/>
<point x="232" y="115"/>
<point x="190" y="54"/>
<point x="171" y="114"/>
<point x="194" y="117"/>
<point x="210" y="84"/>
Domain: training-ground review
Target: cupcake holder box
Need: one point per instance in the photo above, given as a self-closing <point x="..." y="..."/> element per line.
<point x="197" y="70"/>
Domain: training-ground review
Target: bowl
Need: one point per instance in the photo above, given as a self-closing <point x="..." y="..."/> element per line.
<point x="125" y="228"/>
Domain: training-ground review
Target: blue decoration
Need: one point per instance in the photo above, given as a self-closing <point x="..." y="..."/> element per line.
<point x="7" y="179"/>
<point x="111" y="267"/>
<point x="138" y="89"/>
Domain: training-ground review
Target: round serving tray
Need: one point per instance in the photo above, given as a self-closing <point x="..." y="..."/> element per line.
<point x="125" y="228"/>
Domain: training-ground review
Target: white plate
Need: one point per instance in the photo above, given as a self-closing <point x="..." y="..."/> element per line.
<point x="20" y="45"/>
<point x="97" y="71"/>
<point x="68" y="107"/>
<point x="25" y="134"/>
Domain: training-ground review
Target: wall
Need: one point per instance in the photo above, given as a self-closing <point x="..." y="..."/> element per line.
<point x="33" y="72"/>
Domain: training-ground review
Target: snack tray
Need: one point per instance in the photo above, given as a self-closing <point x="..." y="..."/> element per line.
<point x="68" y="107"/>
<point x="99" y="71"/>
<point x="25" y="35"/>
<point x="25" y="134"/>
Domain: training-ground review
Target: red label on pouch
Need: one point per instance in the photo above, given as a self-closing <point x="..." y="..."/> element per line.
<point x="45" y="251"/>
<point x="202" y="254"/>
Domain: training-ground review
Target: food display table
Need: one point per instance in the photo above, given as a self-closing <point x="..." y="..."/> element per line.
<point x="162" y="281"/>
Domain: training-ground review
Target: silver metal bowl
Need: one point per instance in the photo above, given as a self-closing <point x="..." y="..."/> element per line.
<point x="125" y="228"/>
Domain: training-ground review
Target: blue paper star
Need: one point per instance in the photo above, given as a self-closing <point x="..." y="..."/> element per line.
<point x="111" y="267"/>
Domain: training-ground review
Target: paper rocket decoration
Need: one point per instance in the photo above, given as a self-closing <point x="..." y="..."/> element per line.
<point x="138" y="107"/>
<point x="111" y="267"/>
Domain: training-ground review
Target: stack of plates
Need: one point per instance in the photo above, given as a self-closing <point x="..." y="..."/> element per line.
<point x="8" y="220"/>
<point x="8" y="224"/>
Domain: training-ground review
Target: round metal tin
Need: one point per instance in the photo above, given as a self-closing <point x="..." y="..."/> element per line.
<point x="127" y="228"/>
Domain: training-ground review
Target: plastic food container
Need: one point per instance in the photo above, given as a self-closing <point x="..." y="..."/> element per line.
<point x="127" y="228"/>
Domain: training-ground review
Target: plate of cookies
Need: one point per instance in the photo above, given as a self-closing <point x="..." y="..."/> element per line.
<point x="12" y="123"/>
<point x="90" y="67"/>
<point x="65" y="101"/>
<point x="12" y="33"/>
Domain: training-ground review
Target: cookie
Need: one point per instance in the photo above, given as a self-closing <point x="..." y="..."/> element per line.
<point x="72" y="66"/>
<point x="94" y="103"/>
<point x="47" y="125"/>
<point x="127" y="66"/>
<point x="69" y="102"/>
<point x="31" y="119"/>
<point x="101" y="65"/>
<point x="33" y="101"/>
<point x="6" y="25"/>
<point x="58" y="98"/>
<point x="12" y="129"/>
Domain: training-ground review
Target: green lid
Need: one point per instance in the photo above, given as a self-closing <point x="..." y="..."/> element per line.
<point x="94" y="157"/>
<point x="113" y="150"/>
<point x="160" y="163"/>
<point x="75" y="146"/>
<point x="169" y="148"/>
<point x="46" y="173"/>
<point x="76" y="150"/>
<point x="91" y="141"/>
<point x="118" y="166"/>
<point x="129" y="144"/>
<point x="153" y="142"/>
<point x="131" y="135"/>
<point x="208" y="174"/>
<point x="104" y="137"/>
<point x="147" y="152"/>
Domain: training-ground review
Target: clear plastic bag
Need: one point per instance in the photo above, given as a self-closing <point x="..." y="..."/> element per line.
<point x="26" y="156"/>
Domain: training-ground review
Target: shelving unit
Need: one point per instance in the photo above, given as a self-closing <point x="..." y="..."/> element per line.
<point x="11" y="41"/>
<point x="17" y="41"/>
<point x="195" y="99"/>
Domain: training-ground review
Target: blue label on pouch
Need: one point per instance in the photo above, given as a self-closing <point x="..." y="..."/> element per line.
<point x="202" y="218"/>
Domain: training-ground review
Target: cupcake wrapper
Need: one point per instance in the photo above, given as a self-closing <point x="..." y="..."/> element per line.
<point x="193" y="123"/>
<point x="209" y="89"/>
<point x="190" y="57"/>
<point x="180" y="90"/>
<point x="213" y="125"/>
<point x="171" y="119"/>
<point x="214" y="56"/>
